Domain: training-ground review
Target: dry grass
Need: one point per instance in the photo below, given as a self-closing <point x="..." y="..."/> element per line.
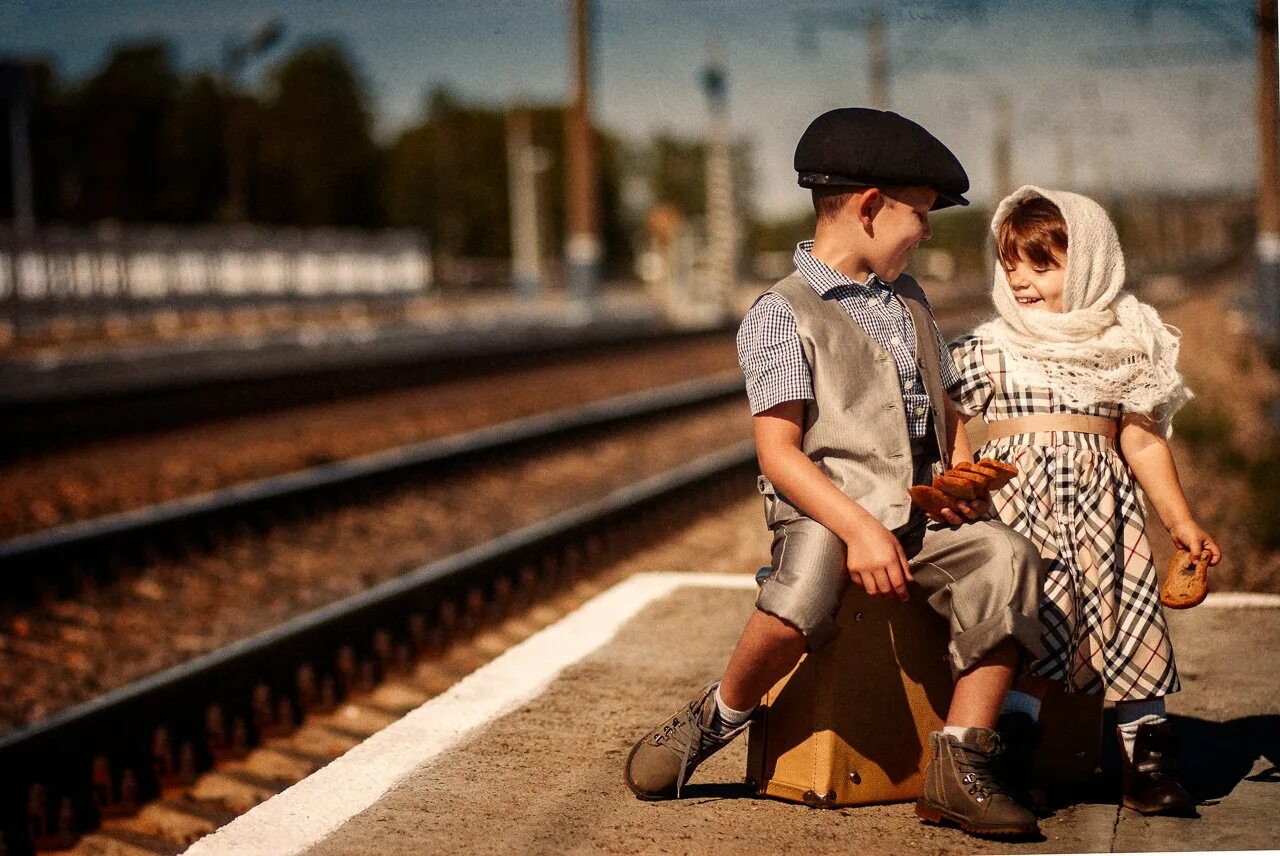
<point x="1225" y="442"/>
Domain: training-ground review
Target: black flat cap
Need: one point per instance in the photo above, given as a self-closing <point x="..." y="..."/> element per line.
<point x="861" y="147"/>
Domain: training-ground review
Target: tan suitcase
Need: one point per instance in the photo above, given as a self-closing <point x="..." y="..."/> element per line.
<point x="850" y="725"/>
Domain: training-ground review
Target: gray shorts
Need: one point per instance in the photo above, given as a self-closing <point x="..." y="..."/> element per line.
<point x="984" y="578"/>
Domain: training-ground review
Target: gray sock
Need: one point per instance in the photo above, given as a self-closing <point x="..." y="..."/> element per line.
<point x="1132" y="715"/>
<point x="729" y="717"/>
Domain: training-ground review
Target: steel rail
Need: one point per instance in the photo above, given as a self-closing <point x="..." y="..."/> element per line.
<point x="72" y="540"/>
<point x="71" y="765"/>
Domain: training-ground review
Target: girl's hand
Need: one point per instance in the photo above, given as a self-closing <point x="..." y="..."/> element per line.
<point x="1188" y="535"/>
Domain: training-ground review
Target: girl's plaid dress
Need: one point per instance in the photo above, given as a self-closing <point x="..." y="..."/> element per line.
<point x="1076" y="499"/>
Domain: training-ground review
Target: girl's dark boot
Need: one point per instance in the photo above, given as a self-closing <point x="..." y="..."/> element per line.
<point x="1150" y="782"/>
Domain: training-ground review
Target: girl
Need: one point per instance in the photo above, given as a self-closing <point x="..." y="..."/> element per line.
<point x="1078" y="383"/>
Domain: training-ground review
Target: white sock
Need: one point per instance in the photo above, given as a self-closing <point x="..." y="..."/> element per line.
<point x="956" y="731"/>
<point x="1132" y="715"/>
<point x="730" y="717"/>
<point x="1020" y="702"/>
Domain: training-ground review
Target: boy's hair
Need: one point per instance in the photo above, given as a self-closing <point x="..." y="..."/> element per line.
<point x="1035" y="231"/>
<point x="827" y="201"/>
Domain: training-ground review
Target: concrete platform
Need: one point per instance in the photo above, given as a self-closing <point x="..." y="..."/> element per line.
<point x="525" y="755"/>
<point x="508" y="327"/>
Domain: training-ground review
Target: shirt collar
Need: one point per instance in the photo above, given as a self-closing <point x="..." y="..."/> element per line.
<point x="825" y="279"/>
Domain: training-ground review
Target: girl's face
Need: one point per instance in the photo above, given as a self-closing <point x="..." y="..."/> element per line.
<point x="1037" y="287"/>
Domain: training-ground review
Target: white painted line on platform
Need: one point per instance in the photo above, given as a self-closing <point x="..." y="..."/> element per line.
<point x="311" y="809"/>
<point x="1242" y="600"/>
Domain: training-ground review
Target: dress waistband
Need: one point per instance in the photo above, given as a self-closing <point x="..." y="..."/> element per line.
<point x="1062" y="439"/>
<point x="1052" y="422"/>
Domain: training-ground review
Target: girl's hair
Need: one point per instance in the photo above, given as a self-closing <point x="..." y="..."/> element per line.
<point x="1034" y="231"/>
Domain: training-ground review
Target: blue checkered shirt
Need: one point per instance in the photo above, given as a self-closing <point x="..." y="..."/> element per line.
<point x="772" y="359"/>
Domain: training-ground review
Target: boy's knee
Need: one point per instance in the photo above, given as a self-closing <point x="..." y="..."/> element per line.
<point x="1022" y="553"/>
<point x="778" y="630"/>
<point x="803" y="591"/>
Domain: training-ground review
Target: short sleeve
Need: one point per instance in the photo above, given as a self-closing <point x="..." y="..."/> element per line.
<point x="946" y="364"/>
<point x="771" y="357"/>
<point x="970" y="388"/>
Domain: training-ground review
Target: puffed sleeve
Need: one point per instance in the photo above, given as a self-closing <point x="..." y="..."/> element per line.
<point x="971" y="390"/>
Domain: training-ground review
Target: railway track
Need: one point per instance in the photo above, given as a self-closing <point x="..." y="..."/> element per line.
<point x="60" y="558"/>
<point x="107" y="758"/>
<point x="49" y="409"/>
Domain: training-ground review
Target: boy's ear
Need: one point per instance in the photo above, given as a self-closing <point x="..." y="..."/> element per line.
<point x="868" y="205"/>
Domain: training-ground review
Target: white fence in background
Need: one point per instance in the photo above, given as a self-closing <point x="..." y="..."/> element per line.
<point x="122" y="266"/>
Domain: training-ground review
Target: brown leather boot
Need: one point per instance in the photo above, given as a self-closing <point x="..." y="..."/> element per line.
<point x="961" y="786"/>
<point x="664" y="759"/>
<point x="1150" y="782"/>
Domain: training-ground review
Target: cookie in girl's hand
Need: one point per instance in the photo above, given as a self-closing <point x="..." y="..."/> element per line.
<point x="1187" y="583"/>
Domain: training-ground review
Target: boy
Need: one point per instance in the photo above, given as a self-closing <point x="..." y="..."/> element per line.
<point x="844" y="371"/>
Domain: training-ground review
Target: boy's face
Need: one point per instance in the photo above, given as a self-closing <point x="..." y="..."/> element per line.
<point x="899" y="226"/>
<point x="1035" y="286"/>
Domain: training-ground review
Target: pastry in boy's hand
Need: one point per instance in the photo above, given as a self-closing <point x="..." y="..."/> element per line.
<point x="981" y="481"/>
<point x="957" y="486"/>
<point x="964" y="481"/>
<point x="1000" y="472"/>
<point x="932" y="500"/>
<point x="1187" y="582"/>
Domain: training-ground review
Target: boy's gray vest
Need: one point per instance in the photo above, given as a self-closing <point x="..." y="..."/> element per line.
<point x="855" y="429"/>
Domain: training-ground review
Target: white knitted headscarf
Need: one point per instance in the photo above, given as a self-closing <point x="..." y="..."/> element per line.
<point x="1105" y="345"/>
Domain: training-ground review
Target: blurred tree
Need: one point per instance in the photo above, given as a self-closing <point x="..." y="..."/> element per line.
<point x="960" y="231"/>
<point x="677" y="175"/>
<point x="780" y="234"/>
<point x="116" y="120"/>
<point x="963" y="233"/>
<point x="448" y="176"/>
<point x="194" y="143"/>
<point x="317" y="163"/>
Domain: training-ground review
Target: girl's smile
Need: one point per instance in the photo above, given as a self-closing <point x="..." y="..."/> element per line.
<point x="1037" y="286"/>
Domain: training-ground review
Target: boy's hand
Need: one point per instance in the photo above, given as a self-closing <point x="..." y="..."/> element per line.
<point x="877" y="562"/>
<point x="1188" y="535"/>
<point x="972" y="510"/>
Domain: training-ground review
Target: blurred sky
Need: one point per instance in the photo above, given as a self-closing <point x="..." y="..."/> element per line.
<point x="1160" y="100"/>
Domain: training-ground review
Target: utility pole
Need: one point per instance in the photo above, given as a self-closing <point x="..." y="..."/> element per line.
<point x="582" y="252"/>
<point x="1267" y="251"/>
<point x="1002" y="147"/>
<point x="524" y="163"/>
<point x="1066" y="155"/>
<point x="872" y="22"/>
<point x="15" y="82"/>
<point x="878" y="55"/>
<point x="722" y="250"/>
